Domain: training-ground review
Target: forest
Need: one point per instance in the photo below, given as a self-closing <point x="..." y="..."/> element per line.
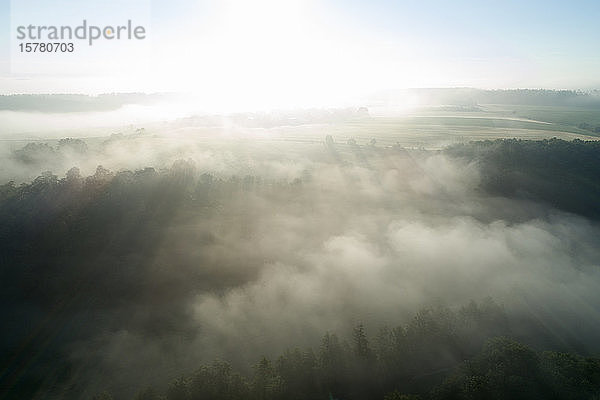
<point x="439" y="354"/>
<point x="300" y="200"/>
<point x="351" y="276"/>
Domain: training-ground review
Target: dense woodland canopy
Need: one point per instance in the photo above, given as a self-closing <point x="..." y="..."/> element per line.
<point x="440" y="354"/>
<point x="131" y="250"/>
<point x="561" y="173"/>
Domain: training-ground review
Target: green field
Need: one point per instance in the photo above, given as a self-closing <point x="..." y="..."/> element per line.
<point x="435" y="128"/>
<point x="426" y="127"/>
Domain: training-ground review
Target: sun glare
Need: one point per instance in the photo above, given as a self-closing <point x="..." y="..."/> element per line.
<point x="267" y="54"/>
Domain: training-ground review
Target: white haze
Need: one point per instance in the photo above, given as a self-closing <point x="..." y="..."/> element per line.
<point x="371" y="235"/>
<point x="359" y="243"/>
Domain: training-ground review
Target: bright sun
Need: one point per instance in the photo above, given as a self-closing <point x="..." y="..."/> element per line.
<point x="265" y="54"/>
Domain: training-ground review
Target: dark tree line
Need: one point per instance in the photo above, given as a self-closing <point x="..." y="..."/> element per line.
<point x="563" y="174"/>
<point x="440" y="354"/>
<point x="81" y="254"/>
<point x="538" y="97"/>
<point x="75" y="102"/>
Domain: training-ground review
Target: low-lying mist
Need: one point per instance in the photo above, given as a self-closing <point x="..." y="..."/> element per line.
<point x="116" y="277"/>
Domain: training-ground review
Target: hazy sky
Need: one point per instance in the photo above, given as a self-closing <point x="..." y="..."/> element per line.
<point x="278" y="51"/>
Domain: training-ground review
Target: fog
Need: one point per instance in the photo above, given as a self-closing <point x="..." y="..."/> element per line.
<point x="19" y="125"/>
<point x="234" y="248"/>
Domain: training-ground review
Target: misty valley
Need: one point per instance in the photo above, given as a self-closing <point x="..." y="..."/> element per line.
<point x="447" y="252"/>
